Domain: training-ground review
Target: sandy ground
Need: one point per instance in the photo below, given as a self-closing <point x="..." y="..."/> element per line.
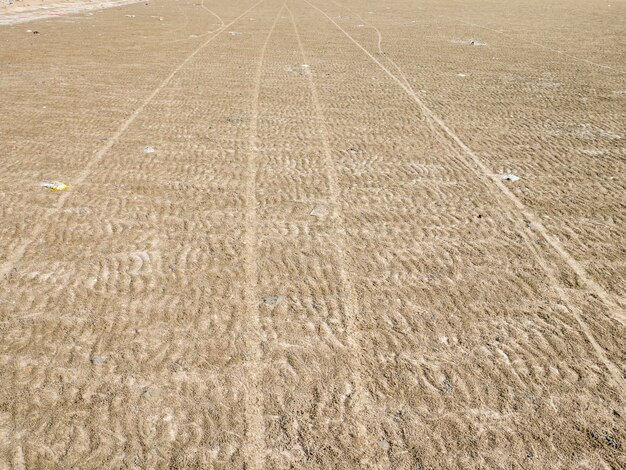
<point x="22" y="11"/>
<point x="319" y="264"/>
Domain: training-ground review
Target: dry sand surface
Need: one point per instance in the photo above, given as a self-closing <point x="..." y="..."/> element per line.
<point x="22" y="11"/>
<point x="317" y="264"/>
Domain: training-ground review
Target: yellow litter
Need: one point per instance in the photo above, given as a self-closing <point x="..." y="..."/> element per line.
<point x="56" y="186"/>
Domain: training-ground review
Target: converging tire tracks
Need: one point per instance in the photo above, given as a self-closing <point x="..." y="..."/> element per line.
<point x="514" y="204"/>
<point x="39" y="228"/>
<point x="222" y="26"/>
<point x="362" y="401"/>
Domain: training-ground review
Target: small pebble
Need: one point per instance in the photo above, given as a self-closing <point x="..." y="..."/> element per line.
<point x="271" y="300"/>
<point x="98" y="360"/>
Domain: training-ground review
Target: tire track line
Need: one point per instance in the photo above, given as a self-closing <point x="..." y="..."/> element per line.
<point x="254" y="448"/>
<point x="613" y="369"/>
<point x="523" y="231"/>
<point x="379" y="45"/>
<point x="202" y="5"/>
<point x="219" y="29"/>
<point x="362" y="403"/>
<point x="511" y="35"/>
<point x="616" y="311"/>
<point x="19" y="252"/>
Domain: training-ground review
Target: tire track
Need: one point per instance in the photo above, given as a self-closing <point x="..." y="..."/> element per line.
<point x="361" y="400"/>
<point x="203" y="6"/>
<point x="552" y="276"/>
<point x="254" y="447"/>
<point x="556" y="51"/>
<point x="617" y="312"/>
<point x="549" y="271"/>
<point x="19" y="252"/>
<point x="219" y="29"/>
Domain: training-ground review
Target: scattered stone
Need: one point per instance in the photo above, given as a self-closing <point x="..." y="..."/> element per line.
<point x="177" y="366"/>
<point x="384" y="445"/>
<point x="149" y="393"/>
<point x="271" y="300"/>
<point x="447" y="386"/>
<point x="605" y="438"/>
<point x="593" y="152"/>
<point x="98" y="360"/>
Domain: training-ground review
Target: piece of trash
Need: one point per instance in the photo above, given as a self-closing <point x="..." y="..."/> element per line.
<point x="461" y="74"/>
<point x="129" y="16"/>
<point x="234" y="33"/>
<point x="56" y="186"/>
<point x="319" y="211"/>
<point x="303" y="69"/>
<point x="29" y="30"/>
<point x="271" y="300"/>
<point x="509" y="177"/>
<point x="148" y="149"/>
<point x="474" y="42"/>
